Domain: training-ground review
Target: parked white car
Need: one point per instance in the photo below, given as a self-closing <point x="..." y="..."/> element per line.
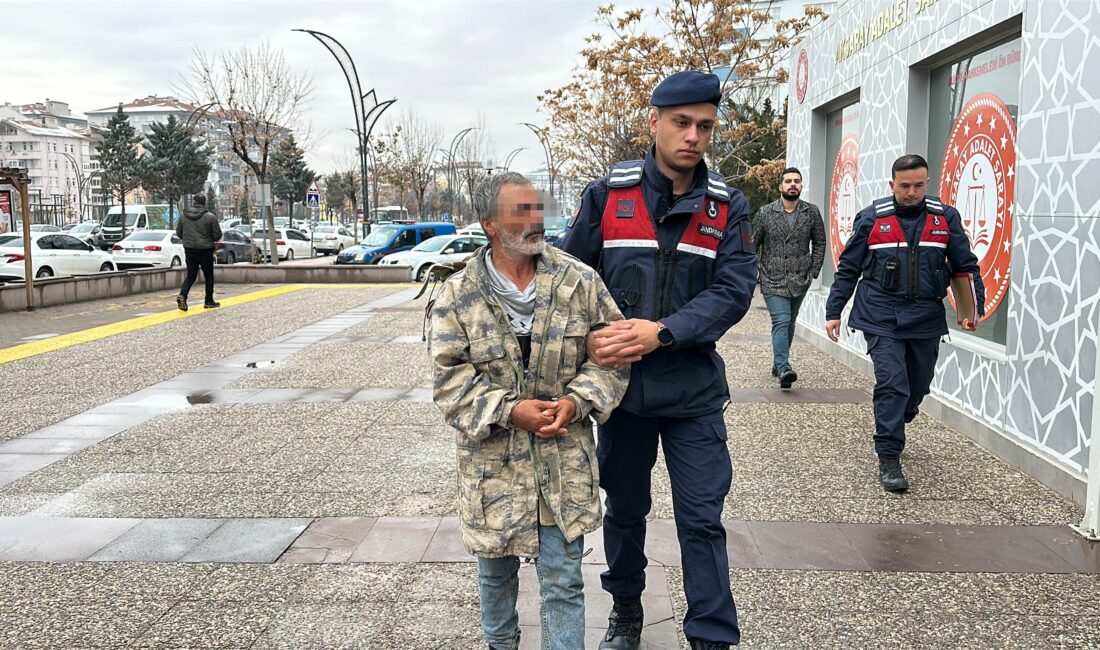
<point x="87" y="231"/>
<point x="149" y="249"/>
<point x="472" y="229"/>
<point x="52" y="254"/>
<point x="328" y="238"/>
<point x="443" y="249"/>
<point x="289" y="243"/>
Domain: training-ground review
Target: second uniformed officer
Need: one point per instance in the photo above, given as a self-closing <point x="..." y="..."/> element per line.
<point x="903" y="252"/>
<point x="674" y="246"/>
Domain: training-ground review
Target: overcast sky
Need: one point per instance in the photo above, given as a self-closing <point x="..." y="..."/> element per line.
<point x="449" y="61"/>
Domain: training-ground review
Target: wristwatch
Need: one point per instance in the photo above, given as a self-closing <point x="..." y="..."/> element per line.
<point x="664" y="335"/>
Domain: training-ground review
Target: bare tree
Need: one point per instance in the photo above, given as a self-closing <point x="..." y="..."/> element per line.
<point x="472" y="152"/>
<point x="257" y="100"/>
<point x="417" y="144"/>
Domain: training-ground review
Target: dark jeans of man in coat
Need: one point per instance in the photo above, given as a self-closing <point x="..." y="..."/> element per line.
<point x="699" y="468"/>
<point x="199" y="258"/>
<point x="784" y="313"/>
<point x="903" y="375"/>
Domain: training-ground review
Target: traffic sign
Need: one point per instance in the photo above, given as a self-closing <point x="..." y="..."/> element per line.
<point x="313" y="195"/>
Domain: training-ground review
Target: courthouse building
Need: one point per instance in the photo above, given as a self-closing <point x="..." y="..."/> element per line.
<point x="1003" y="99"/>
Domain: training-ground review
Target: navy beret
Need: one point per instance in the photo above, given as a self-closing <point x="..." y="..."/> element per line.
<point x="688" y="87"/>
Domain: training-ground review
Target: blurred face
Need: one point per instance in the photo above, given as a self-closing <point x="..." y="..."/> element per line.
<point x="791" y="186"/>
<point x="519" y="225"/>
<point x="909" y="186"/>
<point x="681" y="134"/>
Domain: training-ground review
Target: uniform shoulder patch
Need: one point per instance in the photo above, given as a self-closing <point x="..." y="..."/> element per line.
<point x="883" y="207"/>
<point x="934" y="205"/>
<point x="626" y="174"/>
<point x="716" y="186"/>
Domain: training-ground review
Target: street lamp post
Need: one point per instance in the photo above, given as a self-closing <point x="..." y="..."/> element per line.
<point x="81" y="184"/>
<point x="452" y="176"/>
<point x="510" y="157"/>
<point x="543" y="134"/>
<point x="366" y="106"/>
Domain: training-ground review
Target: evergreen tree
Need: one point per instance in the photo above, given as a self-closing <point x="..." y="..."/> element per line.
<point x="119" y="159"/>
<point x="174" y="164"/>
<point x="334" y="193"/>
<point x="290" y="177"/>
<point x="211" y="199"/>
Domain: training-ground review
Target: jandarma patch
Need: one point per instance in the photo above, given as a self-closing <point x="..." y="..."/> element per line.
<point x="624" y="209"/>
<point x="711" y="231"/>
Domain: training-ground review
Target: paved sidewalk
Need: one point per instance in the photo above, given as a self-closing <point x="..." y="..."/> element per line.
<point x="282" y="480"/>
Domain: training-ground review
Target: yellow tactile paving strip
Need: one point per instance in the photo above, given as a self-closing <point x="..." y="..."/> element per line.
<point x="17" y="352"/>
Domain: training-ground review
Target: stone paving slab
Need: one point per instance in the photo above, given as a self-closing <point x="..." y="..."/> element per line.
<point x="41" y="539"/>
<point x="212" y="337"/>
<point x="247" y="540"/>
<point x="157" y="540"/>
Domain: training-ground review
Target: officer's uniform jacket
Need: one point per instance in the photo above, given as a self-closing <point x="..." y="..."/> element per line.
<point x="689" y="263"/>
<point x="927" y="251"/>
<point x="479" y="378"/>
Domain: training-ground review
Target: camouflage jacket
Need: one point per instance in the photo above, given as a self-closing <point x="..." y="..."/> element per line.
<point x="479" y="378"/>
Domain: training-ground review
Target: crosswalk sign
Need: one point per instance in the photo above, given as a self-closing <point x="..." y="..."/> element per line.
<point x="313" y="196"/>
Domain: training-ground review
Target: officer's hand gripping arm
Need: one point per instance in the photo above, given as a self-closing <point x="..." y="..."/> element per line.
<point x="597" y="390"/>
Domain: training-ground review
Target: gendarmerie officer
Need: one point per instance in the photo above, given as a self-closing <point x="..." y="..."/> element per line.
<point x="674" y="246"/>
<point x="903" y="252"/>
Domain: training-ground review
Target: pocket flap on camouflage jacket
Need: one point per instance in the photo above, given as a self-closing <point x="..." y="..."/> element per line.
<point x="486" y="349"/>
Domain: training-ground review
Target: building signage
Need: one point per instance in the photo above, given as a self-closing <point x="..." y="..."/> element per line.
<point x="802" y="76"/>
<point x="842" y="196"/>
<point x="979" y="179"/>
<point x="7" y="214"/>
<point x="877" y="26"/>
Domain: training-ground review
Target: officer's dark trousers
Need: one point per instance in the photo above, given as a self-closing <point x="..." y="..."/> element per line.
<point x="699" y="468"/>
<point x="903" y="373"/>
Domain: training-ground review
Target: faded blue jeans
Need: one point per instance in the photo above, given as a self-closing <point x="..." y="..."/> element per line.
<point x="560" y="585"/>
<point x="784" y="312"/>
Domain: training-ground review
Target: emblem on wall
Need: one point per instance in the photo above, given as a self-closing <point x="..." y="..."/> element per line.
<point x="979" y="179"/>
<point x="842" y="197"/>
<point x="802" y="76"/>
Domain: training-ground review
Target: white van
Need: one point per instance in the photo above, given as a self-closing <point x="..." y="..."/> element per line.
<point x="138" y="217"/>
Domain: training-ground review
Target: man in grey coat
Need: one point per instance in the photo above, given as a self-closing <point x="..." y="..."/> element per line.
<point x="790" y="248"/>
<point x="200" y="232"/>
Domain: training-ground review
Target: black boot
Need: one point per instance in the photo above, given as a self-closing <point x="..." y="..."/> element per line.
<point x="699" y="644"/>
<point x="181" y="303"/>
<point x="624" y="625"/>
<point x="889" y="472"/>
<point x="787" y="377"/>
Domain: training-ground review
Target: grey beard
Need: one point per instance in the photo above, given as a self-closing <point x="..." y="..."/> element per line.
<point x="517" y="244"/>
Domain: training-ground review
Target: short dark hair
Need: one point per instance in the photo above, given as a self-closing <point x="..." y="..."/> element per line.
<point x="790" y="170"/>
<point x="907" y="162"/>
<point x="199" y="199"/>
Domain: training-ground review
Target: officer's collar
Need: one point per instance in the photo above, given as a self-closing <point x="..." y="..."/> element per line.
<point x="692" y="200"/>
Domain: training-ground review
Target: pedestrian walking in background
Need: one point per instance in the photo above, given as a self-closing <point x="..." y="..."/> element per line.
<point x="790" y="248"/>
<point x="508" y="348"/>
<point x="200" y="232"/>
<point x="673" y="243"/>
<point x="903" y="252"/>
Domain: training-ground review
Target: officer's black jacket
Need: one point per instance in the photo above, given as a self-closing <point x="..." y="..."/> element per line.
<point x="879" y="312"/>
<point x="687" y="379"/>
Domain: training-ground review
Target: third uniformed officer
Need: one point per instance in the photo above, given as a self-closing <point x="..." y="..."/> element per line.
<point x="674" y="247"/>
<point x="903" y="252"/>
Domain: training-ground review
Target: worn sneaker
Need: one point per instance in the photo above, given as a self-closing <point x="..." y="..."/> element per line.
<point x="212" y="305"/>
<point x="181" y="303"/>
<point x="624" y="625"/>
<point x="889" y="472"/>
